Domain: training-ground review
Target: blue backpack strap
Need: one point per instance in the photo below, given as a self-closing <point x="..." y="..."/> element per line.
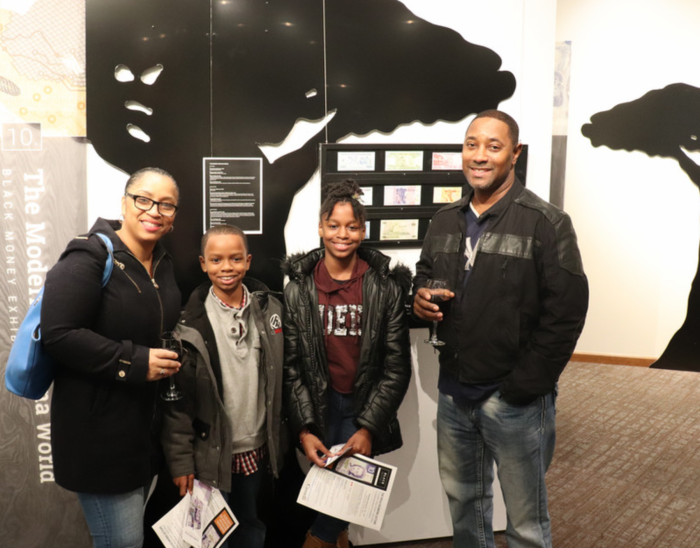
<point x="109" y="264"/>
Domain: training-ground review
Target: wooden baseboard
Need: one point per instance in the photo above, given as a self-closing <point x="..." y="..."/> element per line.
<point x="612" y="360"/>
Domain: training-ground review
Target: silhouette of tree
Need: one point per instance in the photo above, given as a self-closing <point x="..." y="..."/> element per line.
<point x="662" y="123"/>
<point x="383" y="67"/>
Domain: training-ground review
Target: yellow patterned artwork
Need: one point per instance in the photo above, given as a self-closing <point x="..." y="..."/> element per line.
<point x="42" y="65"/>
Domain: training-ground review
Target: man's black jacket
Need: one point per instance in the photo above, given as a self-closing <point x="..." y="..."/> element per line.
<point x="526" y="297"/>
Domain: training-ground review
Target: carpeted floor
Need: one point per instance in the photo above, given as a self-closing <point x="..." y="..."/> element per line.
<point x="626" y="471"/>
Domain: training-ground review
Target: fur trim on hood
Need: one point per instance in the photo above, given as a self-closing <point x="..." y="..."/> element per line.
<point x="302" y="264"/>
<point x="403" y="276"/>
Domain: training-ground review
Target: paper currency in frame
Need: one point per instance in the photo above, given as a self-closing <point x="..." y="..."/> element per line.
<point x="447" y="161"/>
<point x="366" y="198"/>
<point x="398" y="229"/>
<point x="356" y="160"/>
<point x="446" y="194"/>
<point x="403" y="160"/>
<point x="402" y="195"/>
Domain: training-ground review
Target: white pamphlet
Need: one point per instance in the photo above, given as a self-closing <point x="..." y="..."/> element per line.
<point x="194" y="522"/>
<point x="354" y="489"/>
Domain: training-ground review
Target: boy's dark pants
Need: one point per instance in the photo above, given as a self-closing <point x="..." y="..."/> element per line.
<point x="250" y="500"/>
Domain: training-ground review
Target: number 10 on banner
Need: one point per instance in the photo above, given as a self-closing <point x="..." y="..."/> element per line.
<point x="17" y="137"/>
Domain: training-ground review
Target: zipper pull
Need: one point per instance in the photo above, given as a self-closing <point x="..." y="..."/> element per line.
<point x="154" y="283"/>
<point x="120" y="265"/>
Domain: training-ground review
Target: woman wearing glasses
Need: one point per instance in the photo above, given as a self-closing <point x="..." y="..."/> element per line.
<point x="107" y="340"/>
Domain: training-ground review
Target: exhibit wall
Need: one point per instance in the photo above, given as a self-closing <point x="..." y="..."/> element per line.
<point x="526" y="48"/>
<point x="238" y="76"/>
<point x="92" y="91"/>
<point x="633" y="197"/>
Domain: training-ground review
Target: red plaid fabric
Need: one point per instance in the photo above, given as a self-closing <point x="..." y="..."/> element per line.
<point x="222" y="303"/>
<point x="247" y="463"/>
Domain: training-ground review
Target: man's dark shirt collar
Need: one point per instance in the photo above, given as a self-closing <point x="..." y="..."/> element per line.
<point x="497" y="208"/>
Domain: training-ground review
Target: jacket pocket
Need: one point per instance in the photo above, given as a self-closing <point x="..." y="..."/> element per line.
<point x="202" y="430"/>
<point x="206" y="452"/>
<point x="444" y="249"/>
<point x="389" y="439"/>
<point x="508" y="345"/>
<point x="100" y="399"/>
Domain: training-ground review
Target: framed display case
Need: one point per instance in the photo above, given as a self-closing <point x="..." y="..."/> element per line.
<point x="403" y="185"/>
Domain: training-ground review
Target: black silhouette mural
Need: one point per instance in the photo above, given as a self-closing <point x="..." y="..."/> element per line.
<point x="244" y="73"/>
<point x="664" y="122"/>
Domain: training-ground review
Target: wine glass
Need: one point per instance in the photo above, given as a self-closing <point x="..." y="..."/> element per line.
<point x="437" y="288"/>
<point x="170" y="341"/>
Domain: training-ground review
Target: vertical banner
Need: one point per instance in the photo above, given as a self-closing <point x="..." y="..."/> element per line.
<point x="43" y="207"/>
<point x="560" y="126"/>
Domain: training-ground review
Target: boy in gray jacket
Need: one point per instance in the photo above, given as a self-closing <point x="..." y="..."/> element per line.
<point x="225" y="431"/>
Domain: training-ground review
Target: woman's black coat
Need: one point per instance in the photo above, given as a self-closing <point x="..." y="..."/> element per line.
<point x="103" y="412"/>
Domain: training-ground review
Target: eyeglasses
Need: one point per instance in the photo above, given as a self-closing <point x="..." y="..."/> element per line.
<point x="145" y="204"/>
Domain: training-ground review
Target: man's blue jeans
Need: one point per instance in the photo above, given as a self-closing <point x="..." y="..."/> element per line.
<point x="115" y="521"/>
<point x="520" y="439"/>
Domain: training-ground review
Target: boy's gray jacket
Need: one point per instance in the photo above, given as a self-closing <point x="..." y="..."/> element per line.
<point x="197" y="432"/>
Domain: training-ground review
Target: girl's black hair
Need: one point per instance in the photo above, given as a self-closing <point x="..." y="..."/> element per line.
<point x="347" y="191"/>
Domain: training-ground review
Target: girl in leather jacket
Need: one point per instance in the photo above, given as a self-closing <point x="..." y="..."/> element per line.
<point x="347" y="351"/>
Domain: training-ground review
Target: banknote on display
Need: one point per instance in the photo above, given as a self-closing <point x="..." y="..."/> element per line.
<point x="402" y="195"/>
<point x="399" y="229"/>
<point x="403" y="160"/>
<point x="355" y="161"/>
<point x="446" y="194"/>
<point x="447" y="161"/>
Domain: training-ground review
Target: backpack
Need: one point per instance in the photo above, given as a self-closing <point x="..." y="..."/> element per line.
<point x="30" y="370"/>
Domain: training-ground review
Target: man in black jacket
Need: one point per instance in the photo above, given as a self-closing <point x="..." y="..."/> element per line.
<point x="515" y="308"/>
